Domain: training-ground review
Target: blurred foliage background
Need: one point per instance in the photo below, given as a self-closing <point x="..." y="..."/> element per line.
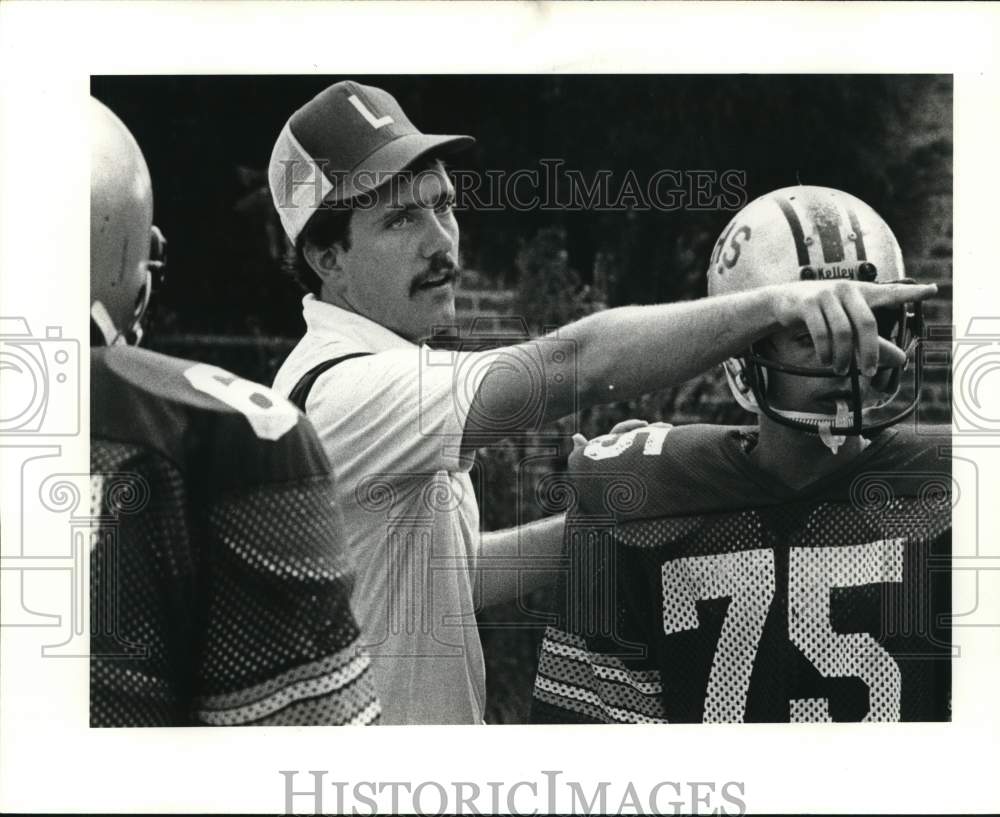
<point x="884" y="138"/>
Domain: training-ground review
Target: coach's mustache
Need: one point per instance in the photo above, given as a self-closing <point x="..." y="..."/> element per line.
<point x="441" y="270"/>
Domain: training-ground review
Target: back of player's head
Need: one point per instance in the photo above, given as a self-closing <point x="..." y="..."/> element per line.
<point x="122" y="235"/>
<point x="813" y="234"/>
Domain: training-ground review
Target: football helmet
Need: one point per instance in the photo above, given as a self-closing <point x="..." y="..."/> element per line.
<point x="126" y="250"/>
<point x="812" y="234"/>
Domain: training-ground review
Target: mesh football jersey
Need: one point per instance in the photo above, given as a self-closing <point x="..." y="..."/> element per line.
<point x="217" y="592"/>
<point x="701" y="590"/>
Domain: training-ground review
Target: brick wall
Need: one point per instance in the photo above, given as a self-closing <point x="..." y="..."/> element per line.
<point x="923" y="139"/>
<point x="480" y="301"/>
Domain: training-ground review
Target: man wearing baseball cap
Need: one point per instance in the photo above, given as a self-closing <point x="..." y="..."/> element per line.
<point x="366" y="202"/>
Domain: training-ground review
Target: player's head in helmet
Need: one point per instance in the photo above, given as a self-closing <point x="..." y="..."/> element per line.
<point x="365" y="201"/>
<point x="816" y="233"/>
<point x="126" y="250"/>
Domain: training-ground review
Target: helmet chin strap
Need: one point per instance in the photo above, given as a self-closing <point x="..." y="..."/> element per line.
<point x="824" y="422"/>
<point x="99" y="314"/>
<point x="112" y="337"/>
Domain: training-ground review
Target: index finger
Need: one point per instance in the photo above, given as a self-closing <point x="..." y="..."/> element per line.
<point x="865" y="331"/>
<point x="895" y="294"/>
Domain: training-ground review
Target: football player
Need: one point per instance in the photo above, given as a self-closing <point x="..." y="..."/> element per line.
<point x="217" y="592"/>
<point x="793" y="571"/>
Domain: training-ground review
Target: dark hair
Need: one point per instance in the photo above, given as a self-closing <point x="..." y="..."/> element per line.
<point x="332" y="225"/>
<point x="328" y="226"/>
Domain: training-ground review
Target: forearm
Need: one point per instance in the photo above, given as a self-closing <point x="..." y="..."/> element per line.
<point x="518" y="560"/>
<point x="628" y="351"/>
<point x="614" y="355"/>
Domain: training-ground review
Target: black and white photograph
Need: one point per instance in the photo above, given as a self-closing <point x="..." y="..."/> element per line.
<point x="618" y="433"/>
<point x="554" y="414"/>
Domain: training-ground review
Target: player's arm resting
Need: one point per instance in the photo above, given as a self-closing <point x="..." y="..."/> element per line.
<point x="518" y="560"/>
<point x="628" y="351"/>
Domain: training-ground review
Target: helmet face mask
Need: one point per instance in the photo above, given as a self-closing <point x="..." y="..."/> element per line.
<point x="905" y="330"/>
<point x="814" y="233"/>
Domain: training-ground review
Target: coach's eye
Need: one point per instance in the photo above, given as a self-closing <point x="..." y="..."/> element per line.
<point x="446" y="206"/>
<point x="402" y="220"/>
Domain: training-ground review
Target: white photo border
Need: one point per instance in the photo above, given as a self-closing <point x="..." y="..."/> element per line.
<point x="52" y="761"/>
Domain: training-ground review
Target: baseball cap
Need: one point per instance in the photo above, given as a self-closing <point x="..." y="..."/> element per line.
<point x="344" y="142"/>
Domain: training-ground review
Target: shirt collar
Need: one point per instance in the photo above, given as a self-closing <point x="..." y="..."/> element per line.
<point x="327" y="319"/>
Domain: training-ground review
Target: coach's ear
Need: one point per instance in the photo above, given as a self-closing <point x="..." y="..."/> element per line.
<point x="325" y="262"/>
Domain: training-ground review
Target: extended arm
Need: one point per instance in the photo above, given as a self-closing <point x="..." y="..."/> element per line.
<point x="628" y="351"/>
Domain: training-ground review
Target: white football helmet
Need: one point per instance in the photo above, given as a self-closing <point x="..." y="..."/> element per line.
<point x="125" y="248"/>
<point x="818" y="233"/>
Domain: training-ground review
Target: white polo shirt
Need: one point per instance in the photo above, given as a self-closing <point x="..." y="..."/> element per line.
<point x="391" y="423"/>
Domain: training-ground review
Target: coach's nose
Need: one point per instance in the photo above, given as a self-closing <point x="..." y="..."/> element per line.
<point x="440" y="234"/>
